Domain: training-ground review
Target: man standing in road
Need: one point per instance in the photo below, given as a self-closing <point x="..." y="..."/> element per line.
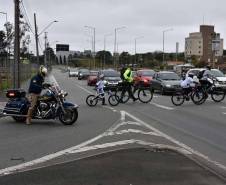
<point x="127" y="84"/>
<point x="34" y="91"/>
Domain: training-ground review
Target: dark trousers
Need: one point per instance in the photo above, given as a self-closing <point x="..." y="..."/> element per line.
<point x="127" y="86"/>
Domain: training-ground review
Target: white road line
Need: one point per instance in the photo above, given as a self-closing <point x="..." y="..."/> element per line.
<point x="178" y="142"/>
<point x="129" y="131"/>
<point x="13" y="169"/>
<point x="84" y="89"/>
<point x="127" y="142"/>
<point x="162" y="106"/>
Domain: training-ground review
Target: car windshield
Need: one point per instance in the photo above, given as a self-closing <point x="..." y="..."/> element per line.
<point x="217" y="73"/>
<point x="84" y="70"/>
<point x="169" y="76"/>
<point x="93" y="73"/>
<point x="111" y="73"/>
<point x="148" y="73"/>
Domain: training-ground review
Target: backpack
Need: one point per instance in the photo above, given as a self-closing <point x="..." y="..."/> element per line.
<point x="200" y="74"/>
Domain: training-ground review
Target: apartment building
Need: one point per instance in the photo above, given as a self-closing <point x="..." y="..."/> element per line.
<point x="206" y="45"/>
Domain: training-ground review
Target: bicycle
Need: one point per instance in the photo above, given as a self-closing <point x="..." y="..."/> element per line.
<point x="92" y="100"/>
<point x="141" y="93"/>
<point x="194" y="93"/>
<point x="217" y="93"/>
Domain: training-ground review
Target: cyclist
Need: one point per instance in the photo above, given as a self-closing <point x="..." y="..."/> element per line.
<point x="187" y="84"/>
<point x="100" y="88"/>
<point x="207" y="78"/>
<point x="127" y="84"/>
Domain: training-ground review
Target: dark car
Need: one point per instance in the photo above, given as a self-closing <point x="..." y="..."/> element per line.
<point x="92" y="79"/>
<point x="83" y="74"/>
<point x="165" y="81"/>
<point x="111" y="77"/>
<point x="144" y="77"/>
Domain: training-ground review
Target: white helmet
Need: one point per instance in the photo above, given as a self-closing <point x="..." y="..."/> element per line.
<point x="43" y="70"/>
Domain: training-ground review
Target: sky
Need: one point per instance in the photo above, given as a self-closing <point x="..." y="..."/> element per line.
<point x="143" y="19"/>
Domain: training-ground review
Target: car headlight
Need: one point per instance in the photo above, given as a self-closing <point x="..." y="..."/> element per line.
<point x="168" y="85"/>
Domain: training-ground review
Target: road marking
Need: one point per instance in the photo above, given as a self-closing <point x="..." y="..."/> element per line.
<point x="127" y="142"/>
<point x="162" y="106"/>
<point x="189" y="149"/>
<point x="84" y="89"/>
<point x="128" y="131"/>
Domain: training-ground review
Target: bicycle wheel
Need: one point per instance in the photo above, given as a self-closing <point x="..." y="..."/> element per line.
<point x="198" y="96"/>
<point x="178" y="98"/>
<point x="91" y="100"/>
<point x="145" y="95"/>
<point x="125" y="97"/>
<point x="113" y="100"/>
<point x="218" y="95"/>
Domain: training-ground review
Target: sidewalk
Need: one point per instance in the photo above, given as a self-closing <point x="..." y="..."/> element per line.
<point x="138" y="166"/>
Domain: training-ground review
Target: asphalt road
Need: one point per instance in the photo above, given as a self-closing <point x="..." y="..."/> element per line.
<point x="201" y="129"/>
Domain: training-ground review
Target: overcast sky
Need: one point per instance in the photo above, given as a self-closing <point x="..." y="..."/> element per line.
<point x="147" y="18"/>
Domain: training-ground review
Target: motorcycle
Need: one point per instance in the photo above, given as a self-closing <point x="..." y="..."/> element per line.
<point x="50" y="105"/>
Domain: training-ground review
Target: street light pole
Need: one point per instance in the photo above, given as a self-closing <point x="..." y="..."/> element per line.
<point x="163" y="42"/>
<point x="37" y="35"/>
<point x="115" y="43"/>
<point x="105" y="36"/>
<point x="135" y="48"/>
<point x="94" y="43"/>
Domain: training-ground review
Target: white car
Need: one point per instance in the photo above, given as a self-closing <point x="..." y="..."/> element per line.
<point x="73" y="72"/>
<point x="221" y="78"/>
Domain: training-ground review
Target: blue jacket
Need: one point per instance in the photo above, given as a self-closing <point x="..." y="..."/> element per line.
<point x="36" y="84"/>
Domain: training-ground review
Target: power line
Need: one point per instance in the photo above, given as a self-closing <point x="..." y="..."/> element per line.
<point x="26" y="17"/>
<point x="40" y="44"/>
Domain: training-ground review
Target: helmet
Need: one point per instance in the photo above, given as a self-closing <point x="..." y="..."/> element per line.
<point x="191" y="75"/>
<point x="101" y="76"/>
<point x="208" y="67"/>
<point x="43" y="71"/>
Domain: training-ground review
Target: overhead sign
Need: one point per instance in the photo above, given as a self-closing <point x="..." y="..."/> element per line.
<point x="62" y="47"/>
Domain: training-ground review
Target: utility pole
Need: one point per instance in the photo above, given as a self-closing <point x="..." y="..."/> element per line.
<point x="16" y="76"/>
<point x="36" y="39"/>
<point x="45" y="54"/>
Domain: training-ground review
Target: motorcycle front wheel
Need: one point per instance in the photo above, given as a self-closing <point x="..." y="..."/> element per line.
<point x="69" y="117"/>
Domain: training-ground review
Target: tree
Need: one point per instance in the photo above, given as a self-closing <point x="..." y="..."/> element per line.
<point x="108" y="56"/>
<point x="125" y="58"/>
<point x="2" y="43"/>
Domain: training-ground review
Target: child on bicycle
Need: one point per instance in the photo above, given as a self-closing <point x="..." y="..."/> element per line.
<point x="100" y="88"/>
<point x="187" y="84"/>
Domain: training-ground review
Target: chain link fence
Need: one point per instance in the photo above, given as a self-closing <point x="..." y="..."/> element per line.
<point x="27" y="69"/>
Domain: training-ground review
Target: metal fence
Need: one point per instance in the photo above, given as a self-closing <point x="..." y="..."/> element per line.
<point x="6" y="72"/>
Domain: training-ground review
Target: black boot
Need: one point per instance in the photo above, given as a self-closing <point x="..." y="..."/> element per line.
<point x="103" y="101"/>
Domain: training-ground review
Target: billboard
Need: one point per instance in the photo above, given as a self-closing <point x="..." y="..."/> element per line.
<point x="62" y="47"/>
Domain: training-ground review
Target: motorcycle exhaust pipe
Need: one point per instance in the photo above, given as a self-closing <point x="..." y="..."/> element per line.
<point x="16" y="115"/>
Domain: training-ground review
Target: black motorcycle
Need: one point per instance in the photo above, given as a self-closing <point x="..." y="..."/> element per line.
<point x="50" y="105"/>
